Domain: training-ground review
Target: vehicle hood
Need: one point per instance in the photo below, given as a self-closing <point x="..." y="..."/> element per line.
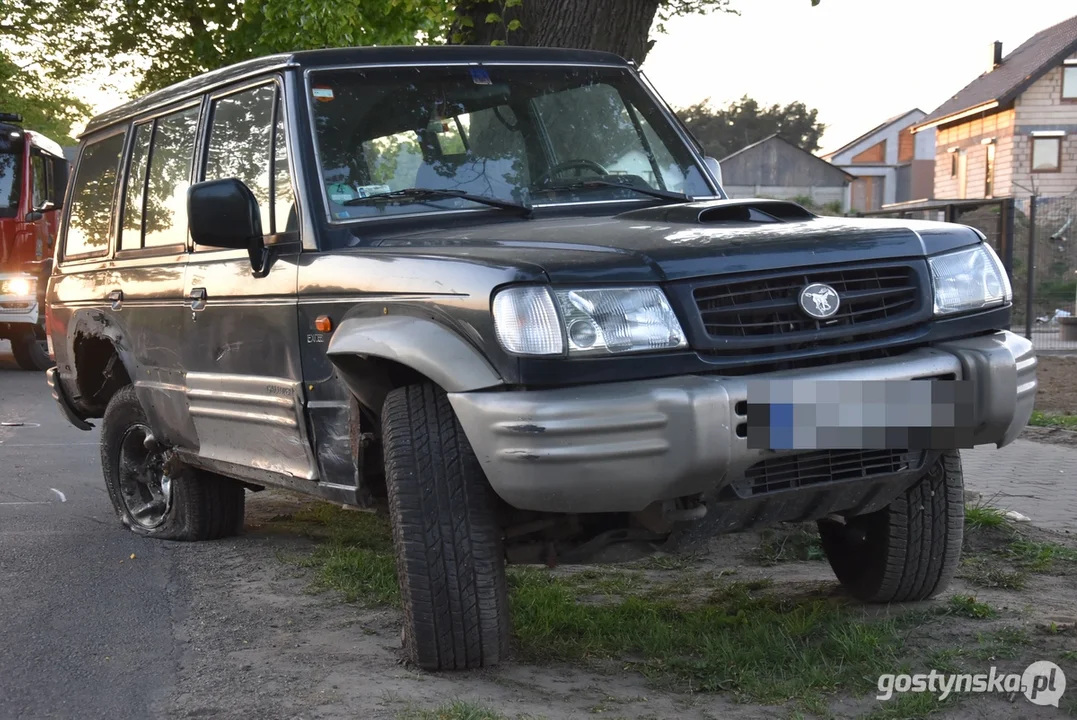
<point x="674" y="242"/>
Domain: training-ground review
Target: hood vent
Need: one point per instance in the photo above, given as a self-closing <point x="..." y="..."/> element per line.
<point x="723" y="211"/>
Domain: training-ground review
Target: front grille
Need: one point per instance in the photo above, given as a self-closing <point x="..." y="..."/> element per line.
<point x="767" y="307"/>
<point x="787" y="472"/>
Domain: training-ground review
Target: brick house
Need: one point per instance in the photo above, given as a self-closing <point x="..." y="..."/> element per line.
<point x="891" y="165"/>
<point x="1013" y="130"/>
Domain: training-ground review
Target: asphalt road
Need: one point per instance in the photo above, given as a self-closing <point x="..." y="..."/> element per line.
<point x="85" y="630"/>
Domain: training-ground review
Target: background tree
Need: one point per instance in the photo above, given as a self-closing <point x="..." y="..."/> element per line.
<point x="164" y="41"/>
<point x="725" y="130"/>
<point x="46" y="107"/>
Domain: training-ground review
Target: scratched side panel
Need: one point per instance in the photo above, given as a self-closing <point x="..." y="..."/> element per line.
<point x="251" y="420"/>
<point x="244" y="377"/>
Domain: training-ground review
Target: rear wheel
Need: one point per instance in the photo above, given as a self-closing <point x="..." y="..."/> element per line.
<point x="31" y="350"/>
<point x="150" y="497"/>
<point x="449" y="554"/>
<point x="910" y="549"/>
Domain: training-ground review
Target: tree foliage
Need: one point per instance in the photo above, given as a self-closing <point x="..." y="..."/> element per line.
<point x="46" y="107"/>
<point x="164" y="41"/>
<point x="723" y="131"/>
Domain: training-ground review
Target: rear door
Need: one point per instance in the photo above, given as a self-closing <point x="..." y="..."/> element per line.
<point x="241" y="349"/>
<point x="145" y="289"/>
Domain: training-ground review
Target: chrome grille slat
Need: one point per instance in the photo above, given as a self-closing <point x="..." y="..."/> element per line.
<point x="768" y="305"/>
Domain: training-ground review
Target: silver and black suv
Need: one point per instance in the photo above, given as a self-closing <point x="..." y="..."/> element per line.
<point x="501" y="293"/>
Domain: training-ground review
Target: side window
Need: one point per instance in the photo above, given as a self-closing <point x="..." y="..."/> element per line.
<point x="58" y="169"/>
<point x="284" y="217"/>
<point x="39" y="193"/>
<point x="168" y="177"/>
<point x="240" y="143"/>
<point x="92" y="193"/>
<point x="135" y="193"/>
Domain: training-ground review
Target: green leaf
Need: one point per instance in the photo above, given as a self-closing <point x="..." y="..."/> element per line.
<point x="497" y="43"/>
<point x="518" y="3"/>
<point x="467" y="21"/>
<point x="493" y="18"/>
<point x="515" y="25"/>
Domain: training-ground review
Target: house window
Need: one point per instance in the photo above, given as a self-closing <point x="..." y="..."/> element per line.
<point x="953" y="164"/>
<point x="1069" y="82"/>
<point x="1046" y="153"/>
<point x="989" y="179"/>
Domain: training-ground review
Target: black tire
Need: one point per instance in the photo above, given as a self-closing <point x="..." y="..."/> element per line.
<point x="909" y="550"/>
<point x="31" y="351"/>
<point x="199" y="506"/>
<point x="449" y="554"/>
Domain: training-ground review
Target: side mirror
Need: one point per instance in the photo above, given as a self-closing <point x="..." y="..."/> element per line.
<point x="715" y="168"/>
<point x="224" y="214"/>
<point x="33" y="216"/>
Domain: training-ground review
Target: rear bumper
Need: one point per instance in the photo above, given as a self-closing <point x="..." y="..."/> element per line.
<point x="622" y="446"/>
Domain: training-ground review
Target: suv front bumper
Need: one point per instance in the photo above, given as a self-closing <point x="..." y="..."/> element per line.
<point x="619" y="447"/>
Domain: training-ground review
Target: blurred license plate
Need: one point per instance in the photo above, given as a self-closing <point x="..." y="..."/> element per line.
<point x="792" y="414"/>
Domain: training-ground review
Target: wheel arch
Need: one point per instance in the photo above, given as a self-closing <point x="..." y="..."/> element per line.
<point x="101" y="363"/>
<point x="374" y="355"/>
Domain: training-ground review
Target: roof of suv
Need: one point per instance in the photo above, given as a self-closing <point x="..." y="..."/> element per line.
<point x="351" y="56"/>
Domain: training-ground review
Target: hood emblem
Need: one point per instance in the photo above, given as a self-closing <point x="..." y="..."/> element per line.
<point x="819" y="301"/>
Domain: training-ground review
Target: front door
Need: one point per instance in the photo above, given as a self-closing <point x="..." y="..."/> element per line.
<point x="241" y="349"/>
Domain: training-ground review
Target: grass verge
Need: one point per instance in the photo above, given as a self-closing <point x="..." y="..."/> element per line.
<point x="756" y="646"/>
<point x="354" y="554"/>
<point x="691" y="630"/>
<point x="458" y="710"/>
<point x="1042" y="419"/>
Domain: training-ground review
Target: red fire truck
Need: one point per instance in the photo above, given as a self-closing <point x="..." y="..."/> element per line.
<point x="33" y="178"/>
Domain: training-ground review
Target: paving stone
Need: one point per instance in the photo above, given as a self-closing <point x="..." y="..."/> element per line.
<point x="1035" y="479"/>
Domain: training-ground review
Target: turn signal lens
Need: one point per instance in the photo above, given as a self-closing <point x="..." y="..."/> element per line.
<point x="323" y="324"/>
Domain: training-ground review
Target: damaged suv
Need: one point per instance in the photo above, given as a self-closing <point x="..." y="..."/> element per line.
<point x="501" y="293"/>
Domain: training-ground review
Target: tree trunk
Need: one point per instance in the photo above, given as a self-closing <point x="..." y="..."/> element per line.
<point x="617" y="26"/>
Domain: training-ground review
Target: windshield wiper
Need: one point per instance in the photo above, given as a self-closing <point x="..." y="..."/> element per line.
<point x="587" y="184"/>
<point x="421" y="194"/>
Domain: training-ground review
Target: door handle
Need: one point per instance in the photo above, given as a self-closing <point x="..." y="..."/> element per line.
<point x="198" y="298"/>
<point x="116" y="298"/>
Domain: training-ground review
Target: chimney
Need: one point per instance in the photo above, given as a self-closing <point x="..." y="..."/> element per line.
<point x="996" y="55"/>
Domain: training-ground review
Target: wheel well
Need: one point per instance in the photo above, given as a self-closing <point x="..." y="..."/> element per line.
<point x="99" y="372"/>
<point x="371" y="378"/>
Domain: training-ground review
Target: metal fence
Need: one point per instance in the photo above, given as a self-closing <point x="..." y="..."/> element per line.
<point x="1036" y="237"/>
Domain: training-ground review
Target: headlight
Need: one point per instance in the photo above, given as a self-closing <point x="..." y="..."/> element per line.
<point x="970" y="279"/>
<point x="18" y="286"/>
<point x="595" y="321"/>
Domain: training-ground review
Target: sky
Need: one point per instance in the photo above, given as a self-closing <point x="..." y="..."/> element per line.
<point x="858" y="62"/>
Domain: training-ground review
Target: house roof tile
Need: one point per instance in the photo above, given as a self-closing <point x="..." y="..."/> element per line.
<point x="1018" y="70"/>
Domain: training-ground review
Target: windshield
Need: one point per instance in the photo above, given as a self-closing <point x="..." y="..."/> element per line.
<point x="522" y="134"/>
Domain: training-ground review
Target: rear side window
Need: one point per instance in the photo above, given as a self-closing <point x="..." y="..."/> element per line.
<point x="92" y="194"/>
<point x="247" y="142"/>
<point x="171" y="153"/>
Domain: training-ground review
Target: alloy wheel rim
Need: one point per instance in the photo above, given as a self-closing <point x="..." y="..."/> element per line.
<point x="145" y="487"/>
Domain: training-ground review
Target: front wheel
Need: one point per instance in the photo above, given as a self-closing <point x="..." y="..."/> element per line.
<point x="31" y="350"/>
<point x="910" y="549"/>
<point x="449" y="555"/>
